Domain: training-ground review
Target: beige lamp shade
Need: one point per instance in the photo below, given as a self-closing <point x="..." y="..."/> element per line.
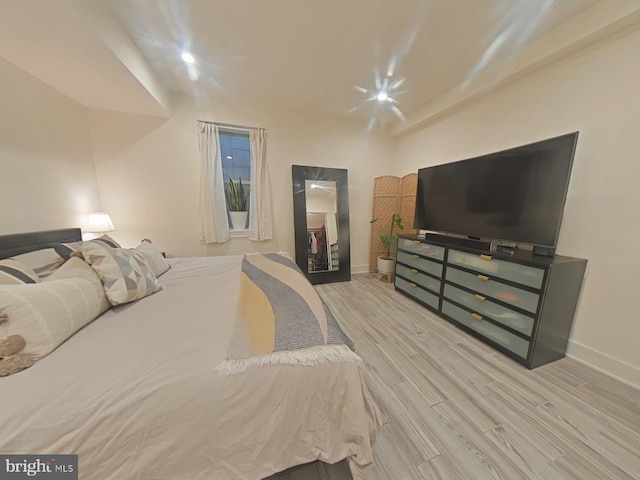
<point x="99" y="223"/>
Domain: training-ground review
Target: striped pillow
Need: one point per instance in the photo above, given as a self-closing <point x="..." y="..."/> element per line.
<point x="125" y="273"/>
<point x="66" y="249"/>
<point x="77" y="268"/>
<point x="44" y="262"/>
<point x="13" y="272"/>
<point x="106" y="240"/>
<point x="35" y="319"/>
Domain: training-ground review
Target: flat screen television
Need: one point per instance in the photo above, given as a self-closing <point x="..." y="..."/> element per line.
<point x="515" y="195"/>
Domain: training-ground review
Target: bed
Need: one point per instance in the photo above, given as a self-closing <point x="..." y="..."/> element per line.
<point x="136" y="395"/>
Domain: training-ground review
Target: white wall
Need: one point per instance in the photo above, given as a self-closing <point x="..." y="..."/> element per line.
<point x="47" y="174"/>
<point x="149" y="173"/>
<point x="597" y="94"/>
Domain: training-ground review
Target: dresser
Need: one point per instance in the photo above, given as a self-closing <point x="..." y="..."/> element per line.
<point x="522" y="305"/>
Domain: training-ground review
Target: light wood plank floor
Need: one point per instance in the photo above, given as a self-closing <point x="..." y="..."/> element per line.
<point x="455" y="409"/>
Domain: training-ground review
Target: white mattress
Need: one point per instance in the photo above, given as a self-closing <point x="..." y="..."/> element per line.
<point x="135" y="395"/>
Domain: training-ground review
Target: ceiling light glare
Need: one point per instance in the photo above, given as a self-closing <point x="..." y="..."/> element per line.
<point x="382" y="96"/>
<point x="188" y="58"/>
<point x="229" y="157"/>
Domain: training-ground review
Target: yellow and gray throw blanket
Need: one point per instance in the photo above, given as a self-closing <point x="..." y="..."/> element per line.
<point x="281" y="319"/>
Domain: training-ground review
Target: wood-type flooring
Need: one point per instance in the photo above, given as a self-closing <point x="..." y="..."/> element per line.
<point x="455" y="409"/>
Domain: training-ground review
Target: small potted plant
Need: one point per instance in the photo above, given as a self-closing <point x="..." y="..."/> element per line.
<point x="389" y="239"/>
<point x="237" y="203"/>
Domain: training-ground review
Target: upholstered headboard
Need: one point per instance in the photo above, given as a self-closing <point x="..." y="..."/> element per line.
<point x="18" y="243"/>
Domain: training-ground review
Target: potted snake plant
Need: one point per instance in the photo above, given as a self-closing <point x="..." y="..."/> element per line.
<point x="237" y="203"/>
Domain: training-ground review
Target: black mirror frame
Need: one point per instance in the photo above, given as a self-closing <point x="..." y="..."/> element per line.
<point x="299" y="174"/>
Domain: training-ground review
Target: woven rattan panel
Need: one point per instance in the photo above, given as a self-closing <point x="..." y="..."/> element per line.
<point x="409" y="185"/>
<point x="391" y="195"/>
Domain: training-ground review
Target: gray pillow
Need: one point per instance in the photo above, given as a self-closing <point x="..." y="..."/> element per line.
<point x="125" y="273"/>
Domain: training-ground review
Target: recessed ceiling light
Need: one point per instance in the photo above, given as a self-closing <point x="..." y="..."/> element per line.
<point x="229" y="157"/>
<point x="385" y="93"/>
<point x="187" y="57"/>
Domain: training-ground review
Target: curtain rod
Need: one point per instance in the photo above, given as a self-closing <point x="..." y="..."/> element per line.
<point x="229" y="125"/>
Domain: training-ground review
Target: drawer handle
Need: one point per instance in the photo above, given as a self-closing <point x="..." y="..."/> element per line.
<point x="486" y="257"/>
<point x="476" y="316"/>
<point x="484" y="278"/>
<point x="479" y="297"/>
<point x="413" y="285"/>
<point x="417" y="242"/>
<point x="416" y="256"/>
<point x="414" y="270"/>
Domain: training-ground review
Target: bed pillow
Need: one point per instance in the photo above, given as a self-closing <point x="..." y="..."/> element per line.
<point x="65" y="250"/>
<point x="13" y="272"/>
<point x="125" y="273"/>
<point x="47" y="260"/>
<point x="44" y="261"/>
<point x="76" y="267"/>
<point x="106" y="240"/>
<point x="154" y="257"/>
<point x="37" y="318"/>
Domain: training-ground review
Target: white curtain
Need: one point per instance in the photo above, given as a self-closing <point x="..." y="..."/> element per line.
<point x="260" y="218"/>
<point x="214" y="224"/>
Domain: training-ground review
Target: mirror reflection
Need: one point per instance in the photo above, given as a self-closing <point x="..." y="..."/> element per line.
<point x="322" y="226"/>
<point x="321" y="223"/>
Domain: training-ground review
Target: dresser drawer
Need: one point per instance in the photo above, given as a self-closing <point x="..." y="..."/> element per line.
<point x="485" y="285"/>
<point x="515" y="272"/>
<point x="501" y="314"/>
<point x="424" y="249"/>
<point x="415" y="291"/>
<point x="509" y="341"/>
<point x="415" y="276"/>
<point x="419" y="263"/>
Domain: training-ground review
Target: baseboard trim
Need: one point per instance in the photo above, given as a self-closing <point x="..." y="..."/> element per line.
<point x="359" y="269"/>
<point x="601" y="362"/>
<point x="615" y="368"/>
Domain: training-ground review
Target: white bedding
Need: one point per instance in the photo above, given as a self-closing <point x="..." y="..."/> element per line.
<point x="135" y="395"/>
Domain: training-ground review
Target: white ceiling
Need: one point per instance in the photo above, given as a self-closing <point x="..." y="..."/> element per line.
<point x="53" y="41"/>
<point x="305" y="55"/>
<point x="309" y="55"/>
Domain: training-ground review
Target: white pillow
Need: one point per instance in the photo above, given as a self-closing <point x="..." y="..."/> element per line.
<point x="125" y="273"/>
<point x="13" y="272"/>
<point x="44" y="262"/>
<point x="154" y="257"/>
<point x="76" y="267"/>
<point x="36" y="318"/>
<point x="106" y="240"/>
<point x="65" y="250"/>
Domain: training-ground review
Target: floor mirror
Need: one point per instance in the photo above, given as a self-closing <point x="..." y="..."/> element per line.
<point x="321" y="223"/>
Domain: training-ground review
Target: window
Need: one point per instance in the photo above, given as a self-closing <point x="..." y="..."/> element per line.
<point x="235" y="154"/>
<point x="231" y="157"/>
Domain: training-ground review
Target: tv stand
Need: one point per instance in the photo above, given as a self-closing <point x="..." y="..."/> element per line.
<point x="486" y="245"/>
<point x="520" y="304"/>
<point x="544" y="251"/>
<point x="469" y="242"/>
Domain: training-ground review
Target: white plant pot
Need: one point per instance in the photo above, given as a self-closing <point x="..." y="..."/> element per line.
<point x="386" y="266"/>
<point x="238" y="220"/>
